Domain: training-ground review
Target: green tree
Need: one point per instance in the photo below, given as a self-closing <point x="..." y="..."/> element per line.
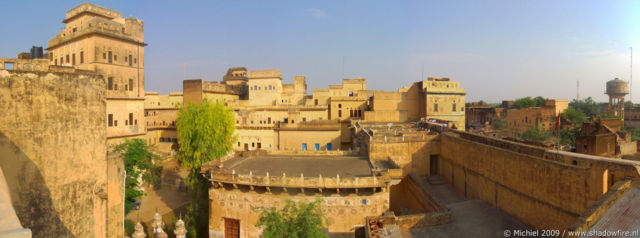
<point x="139" y="162"/>
<point x="588" y="106"/>
<point x="205" y="133"/>
<point x="568" y="135"/>
<point x="527" y="102"/>
<point x="607" y="116"/>
<point x="575" y="116"/>
<point x="499" y="124"/>
<point x="540" y="101"/>
<point x="535" y="134"/>
<point x="628" y="104"/>
<point x="303" y="219"/>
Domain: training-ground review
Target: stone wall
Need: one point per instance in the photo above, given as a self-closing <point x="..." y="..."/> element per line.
<point x="53" y="148"/>
<point x="343" y="212"/>
<point x="541" y="188"/>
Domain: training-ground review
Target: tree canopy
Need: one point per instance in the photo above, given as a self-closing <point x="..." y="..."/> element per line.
<point x="499" y="124"/>
<point x="205" y="132"/>
<point x="575" y="116"/>
<point x="527" y="102"/>
<point x="587" y="105"/>
<point x="535" y="134"/>
<point x="139" y="162"/>
<point x="302" y="219"/>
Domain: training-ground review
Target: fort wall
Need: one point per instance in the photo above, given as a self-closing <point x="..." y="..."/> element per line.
<point x="542" y="188"/>
<point x="52" y="123"/>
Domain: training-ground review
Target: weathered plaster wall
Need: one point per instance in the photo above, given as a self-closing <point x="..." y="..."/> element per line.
<point x="53" y="151"/>
<point x="544" y="189"/>
<point x="343" y="212"/>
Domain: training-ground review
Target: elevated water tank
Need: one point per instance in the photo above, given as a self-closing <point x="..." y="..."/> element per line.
<point x="617" y="88"/>
<point x="36" y="52"/>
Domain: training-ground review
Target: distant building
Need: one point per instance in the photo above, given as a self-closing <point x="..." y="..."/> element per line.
<point x="545" y="118"/>
<point x="160" y="112"/>
<point x="604" y="137"/>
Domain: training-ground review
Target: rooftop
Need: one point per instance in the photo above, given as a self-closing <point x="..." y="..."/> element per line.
<point x="310" y="166"/>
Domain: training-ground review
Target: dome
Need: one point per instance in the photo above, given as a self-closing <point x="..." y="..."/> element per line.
<point x="616" y="87"/>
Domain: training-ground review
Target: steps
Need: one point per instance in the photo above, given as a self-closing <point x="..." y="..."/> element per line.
<point x="436" y="180"/>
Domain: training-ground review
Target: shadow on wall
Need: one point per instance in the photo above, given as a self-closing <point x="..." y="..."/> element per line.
<point x="30" y="196"/>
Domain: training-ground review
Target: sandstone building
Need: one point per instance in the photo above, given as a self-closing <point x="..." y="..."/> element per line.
<point x="266" y="109"/>
<point x="101" y="40"/>
<point x="347" y="186"/>
<point x="160" y="112"/>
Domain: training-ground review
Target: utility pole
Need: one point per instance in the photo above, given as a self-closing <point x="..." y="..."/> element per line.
<point x="631" y="76"/>
<point x="578" y="90"/>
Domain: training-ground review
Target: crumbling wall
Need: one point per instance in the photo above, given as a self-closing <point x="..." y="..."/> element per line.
<point x="52" y="151"/>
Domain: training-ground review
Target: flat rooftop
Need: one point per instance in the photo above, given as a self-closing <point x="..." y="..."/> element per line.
<point x="623" y="215"/>
<point x="310" y="166"/>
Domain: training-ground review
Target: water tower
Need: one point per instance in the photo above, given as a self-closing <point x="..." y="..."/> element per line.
<point x="616" y="89"/>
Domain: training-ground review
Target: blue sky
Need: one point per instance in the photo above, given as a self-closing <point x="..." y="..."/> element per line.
<point x="496" y="49"/>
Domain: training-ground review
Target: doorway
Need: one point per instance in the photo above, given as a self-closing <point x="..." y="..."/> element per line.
<point x="231" y="228"/>
<point x="433" y="165"/>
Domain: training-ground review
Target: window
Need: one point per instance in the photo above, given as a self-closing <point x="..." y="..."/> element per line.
<point x="61" y="60"/>
<point x="104" y="55"/>
<point x="81" y="57"/>
<point x="67" y="59"/>
<point x="231" y="228"/>
<point x="130" y="117"/>
<point x="110" y="83"/>
<point x="129" y="60"/>
<point x="291" y="121"/>
<point x="315" y="101"/>
<point x="123" y="30"/>
<point x="55" y="62"/>
<point x="453" y="107"/>
<point x="339" y="113"/>
<point x="339" y="105"/>
<point x="110" y="57"/>
<point x="74" y="29"/>
<point x="115" y="122"/>
<point x="351" y="113"/>
<point x="135" y="61"/>
<point x="238" y="143"/>
<point x="73" y="59"/>
<point x="304" y="119"/>
<point x="269" y="120"/>
<point x="135" y="122"/>
<point x="130" y="84"/>
<point x="435" y="107"/>
<point x="115" y="58"/>
<point x="110" y="119"/>
<point x="115" y="87"/>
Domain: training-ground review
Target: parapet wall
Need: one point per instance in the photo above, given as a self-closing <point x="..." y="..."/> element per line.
<point x="542" y="188"/>
<point x="53" y="151"/>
